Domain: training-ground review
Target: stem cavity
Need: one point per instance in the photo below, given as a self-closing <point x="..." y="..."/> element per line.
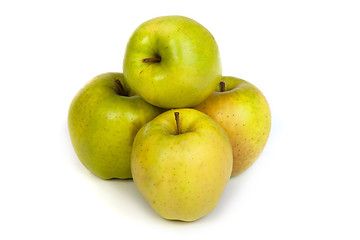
<point x="121" y="87"/>
<point x="156" y="59"/>
<point x="177" y="119"/>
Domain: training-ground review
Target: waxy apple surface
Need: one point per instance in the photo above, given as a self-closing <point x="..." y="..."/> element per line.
<point x="103" y="120"/>
<point x="181" y="173"/>
<point x="242" y="110"/>
<point x="172" y="62"/>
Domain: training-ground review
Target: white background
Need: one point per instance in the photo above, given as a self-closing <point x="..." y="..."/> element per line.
<point x="303" y="55"/>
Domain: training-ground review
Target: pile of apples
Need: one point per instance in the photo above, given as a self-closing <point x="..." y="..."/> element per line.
<point x="171" y="121"/>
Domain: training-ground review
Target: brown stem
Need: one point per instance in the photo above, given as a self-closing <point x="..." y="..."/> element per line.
<point x="177" y="119"/>
<point x="222" y="86"/>
<point x="157" y="59"/>
<point x="121" y="87"/>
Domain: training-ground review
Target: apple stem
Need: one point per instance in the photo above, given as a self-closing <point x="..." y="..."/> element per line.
<point x="122" y="90"/>
<point x="222" y="86"/>
<point x="177" y="119"/>
<point x="157" y="59"/>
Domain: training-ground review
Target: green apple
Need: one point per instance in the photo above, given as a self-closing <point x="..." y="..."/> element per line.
<point x="242" y="110"/>
<point x="172" y="62"/>
<point x="103" y="120"/>
<point x="181" y="162"/>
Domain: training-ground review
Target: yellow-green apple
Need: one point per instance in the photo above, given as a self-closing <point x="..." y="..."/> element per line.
<point x="181" y="162"/>
<point x="242" y="110"/>
<point x="103" y="120"/>
<point x="172" y="62"/>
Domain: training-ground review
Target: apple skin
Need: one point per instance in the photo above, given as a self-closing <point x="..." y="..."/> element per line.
<point x="190" y="66"/>
<point x="102" y="125"/>
<point x="244" y="113"/>
<point x="182" y="176"/>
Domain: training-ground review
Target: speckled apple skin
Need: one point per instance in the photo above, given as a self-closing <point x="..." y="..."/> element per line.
<point x="190" y="66"/>
<point x="243" y="111"/>
<point x="102" y="125"/>
<point x="182" y="176"/>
